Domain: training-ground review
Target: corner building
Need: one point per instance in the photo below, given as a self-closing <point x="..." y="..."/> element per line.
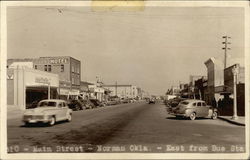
<point x="67" y="68"/>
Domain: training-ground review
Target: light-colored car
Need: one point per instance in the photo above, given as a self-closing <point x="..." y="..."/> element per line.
<point x="194" y="108"/>
<point x="48" y="111"/>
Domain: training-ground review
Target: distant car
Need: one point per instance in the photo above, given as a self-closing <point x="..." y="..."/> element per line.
<point x="151" y="101"/>
<point x="97" y="103"/>
<point x="76" y="105"/>
<point x="194" y="108"/>
<point x="48" y="111"/>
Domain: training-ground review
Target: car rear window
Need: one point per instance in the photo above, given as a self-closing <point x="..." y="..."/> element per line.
<point x="184" y="103"/>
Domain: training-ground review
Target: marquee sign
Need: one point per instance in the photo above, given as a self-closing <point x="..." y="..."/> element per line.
<point x="42" y="80"/>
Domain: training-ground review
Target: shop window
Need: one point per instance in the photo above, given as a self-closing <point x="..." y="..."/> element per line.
<point x="45" y="67"/>
<point x="35" y="66"/>
<point x="62" y="68"/>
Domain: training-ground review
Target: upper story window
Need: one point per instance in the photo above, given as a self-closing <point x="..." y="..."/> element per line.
<point x="73" y="68"/>
<point x="49" y="68"/>
<point x="35" y="66"/>
<point x="62" y="68"/>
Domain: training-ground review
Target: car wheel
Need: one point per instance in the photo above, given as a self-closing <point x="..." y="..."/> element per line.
<point x="192" y="116"/>
<point x="214" y="115"/>
<point x="69" y="118"/>
<point x="52" y="121"/>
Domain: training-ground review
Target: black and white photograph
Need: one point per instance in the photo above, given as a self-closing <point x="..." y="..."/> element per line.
<point x="105" y="79"/>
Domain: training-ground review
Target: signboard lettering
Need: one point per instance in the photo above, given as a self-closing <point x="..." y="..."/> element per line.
<point x="42" y="80"/>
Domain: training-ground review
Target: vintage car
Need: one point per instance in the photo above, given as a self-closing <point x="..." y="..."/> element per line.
<point x="151" y="101"/>
<point x="194" y="108"/>
<point x="48" y="111"/>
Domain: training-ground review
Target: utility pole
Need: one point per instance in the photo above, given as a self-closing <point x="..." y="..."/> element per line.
<point x="226" y="43"/>
<point x="116" y="88"/>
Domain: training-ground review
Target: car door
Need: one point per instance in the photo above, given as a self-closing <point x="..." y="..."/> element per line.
<point x="206" y="109"/>
<point x="199" y="109"/>
<point x="60" y="111"/>
<point x="64" y="110"/>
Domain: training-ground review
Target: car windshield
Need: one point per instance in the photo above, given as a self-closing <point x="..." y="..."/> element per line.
<point x="47" y="104"/>
<point x="184" y="103"/>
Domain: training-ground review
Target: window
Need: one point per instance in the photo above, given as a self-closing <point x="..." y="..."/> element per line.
<point x="49" y="68"/>
<point x="73" y="80"/>
<point x="35" y="66"/>
<point x="45" y="68"/>
<point x="194" y="104"/>
<point x="204" y="104"/>
<point x="62" y="68"/>
<point x="60" y="105"/>
<point x="199" y="104"/>
<point x="73" y="68"/>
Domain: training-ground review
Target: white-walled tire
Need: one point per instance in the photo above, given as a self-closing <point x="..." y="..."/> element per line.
<point x="192" y="116"/>
<point x="69" y="117"/>
<point x="214" y="115"/>
<point x="52" y="121"/>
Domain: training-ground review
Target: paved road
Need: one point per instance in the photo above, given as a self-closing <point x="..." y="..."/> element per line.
<point x="137" y="127"/>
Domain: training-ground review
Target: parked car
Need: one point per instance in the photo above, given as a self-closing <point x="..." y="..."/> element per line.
<point x="194" y="108"/>
<point x="87" y="104"/>
<point x="48" y="111"/>
<point x="76" y="105"/>
<point x="125" y="100"/>
<point x="111" y="102"/>
<point x="97" y="103"/>
<point x="172" y="103"/>
<point x="151" y="101"/>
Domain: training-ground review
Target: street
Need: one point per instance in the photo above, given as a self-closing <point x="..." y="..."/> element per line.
<point x="138" y="124"/>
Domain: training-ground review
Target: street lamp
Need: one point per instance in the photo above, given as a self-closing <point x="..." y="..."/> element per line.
<point x="235" y="71"/>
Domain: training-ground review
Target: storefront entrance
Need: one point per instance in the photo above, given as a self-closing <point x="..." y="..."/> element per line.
<point x="36" y="94"/>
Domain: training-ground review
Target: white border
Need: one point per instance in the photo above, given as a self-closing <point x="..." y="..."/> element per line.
<point x="4" y="155"/>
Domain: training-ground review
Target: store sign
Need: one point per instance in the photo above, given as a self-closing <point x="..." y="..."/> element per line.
<point x="58" y="61"/>
<point x="52" y="61"/>
<point x="42" y="80"/>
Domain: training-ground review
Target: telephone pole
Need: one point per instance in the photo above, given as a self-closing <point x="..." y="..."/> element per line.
<point x="226" y="43"/>
<point x="116" y="88"/>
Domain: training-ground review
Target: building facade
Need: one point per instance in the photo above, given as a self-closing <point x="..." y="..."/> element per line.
<point x="215" y="79"/>
<point x="67" y="68"/>
<point x="123" y="91"/>
<point x="27" y="85"/>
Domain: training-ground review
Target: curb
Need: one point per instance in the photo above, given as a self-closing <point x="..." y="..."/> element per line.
<point x="231" y="121"/>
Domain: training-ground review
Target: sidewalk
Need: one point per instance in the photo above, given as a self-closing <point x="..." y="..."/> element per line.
<point x="240" y="121"/>
<point x="14" y="112"/>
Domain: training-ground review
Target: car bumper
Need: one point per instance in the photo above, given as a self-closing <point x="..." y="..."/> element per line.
<point x="30" y="119"/>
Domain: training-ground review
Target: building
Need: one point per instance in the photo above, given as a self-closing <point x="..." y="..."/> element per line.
<point x="215" y="79"/>
<point x="191" y="87"/>
<point x="26" y="85"/>
<point x="68" y="69"/>
<point x="123" y="91"/>
<point x="225" y="103"/>
<point x="200" y="88"/>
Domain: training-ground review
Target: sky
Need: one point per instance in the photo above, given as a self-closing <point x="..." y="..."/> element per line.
<point x="153" y="49"/>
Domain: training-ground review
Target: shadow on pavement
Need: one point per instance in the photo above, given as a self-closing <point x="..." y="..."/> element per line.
<point x="186" y="118"/>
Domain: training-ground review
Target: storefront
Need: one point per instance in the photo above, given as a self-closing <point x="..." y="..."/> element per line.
<point x="31" y="86"/>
